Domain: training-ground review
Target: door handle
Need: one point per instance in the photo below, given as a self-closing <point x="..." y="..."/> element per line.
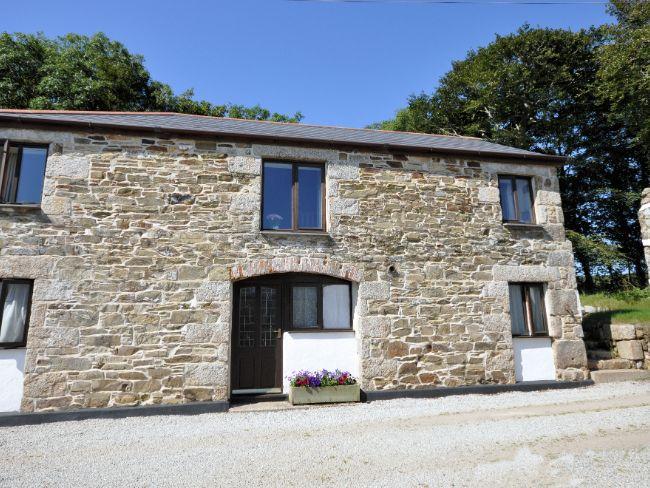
<point x="278" y="333"/>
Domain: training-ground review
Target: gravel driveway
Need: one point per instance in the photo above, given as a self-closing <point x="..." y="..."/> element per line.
<point x="596" y="436"/>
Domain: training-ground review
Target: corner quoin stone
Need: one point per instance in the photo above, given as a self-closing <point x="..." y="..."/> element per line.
<point x="570" y="354"/>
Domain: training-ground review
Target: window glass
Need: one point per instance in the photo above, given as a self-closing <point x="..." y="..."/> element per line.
<point x="247" y="298"/>
<point x="336" y="307"/>
<point x="517" y="311"/>
<point x="524" y="200"/>
<point x="536" y="296"/>
<point x="506" y="192"/>
<point x="304" y="307"/>
<point x="277" y="198"/>
<point x="309" y="198"/>
<point x="14" y="312"/>
<point x="32" y="172"/>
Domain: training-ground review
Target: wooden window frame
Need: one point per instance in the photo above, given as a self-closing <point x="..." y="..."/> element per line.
<point x="528" y="310"/>
<point x="3" y="297"/>
<point x="6" y="146"/>
<point x="294" y="197"/>
<point x="513" y="178"/>
<point x="318" y="282"/>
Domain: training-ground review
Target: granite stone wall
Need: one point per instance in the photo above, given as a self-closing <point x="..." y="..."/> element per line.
<point x="139" y="239"/>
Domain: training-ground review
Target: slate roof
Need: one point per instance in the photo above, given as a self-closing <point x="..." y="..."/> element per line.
<point x="275" y="131"/>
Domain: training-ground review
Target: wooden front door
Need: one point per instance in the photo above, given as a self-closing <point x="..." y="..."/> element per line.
<point x="257" y="338"/>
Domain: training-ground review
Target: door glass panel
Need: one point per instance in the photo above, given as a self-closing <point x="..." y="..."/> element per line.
<point x="336" y="307"/>
<point x="247" y="317"/>
<point x="304" y="307"/>
<point x="517" y="311"/>
<point x="310" y="199"/>
<point x="506" y="192"/>
<point x="268" y="316"/>
<point x="278" y="187"/>
<point x="524" y="200"/>
<point x="536" y="305"/>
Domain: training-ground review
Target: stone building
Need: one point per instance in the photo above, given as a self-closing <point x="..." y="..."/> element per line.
<point x="163" y="258"/>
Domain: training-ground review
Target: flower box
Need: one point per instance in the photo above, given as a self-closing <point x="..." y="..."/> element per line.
<point x="323" y="387"/>
<point x="302" y="395"/>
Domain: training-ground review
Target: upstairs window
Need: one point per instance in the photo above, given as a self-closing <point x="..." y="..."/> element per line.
<point x="22" y="172"/>
<point x="527" y="311"/>
<point x="15" y="304"/>
<point x="293" y="196"/>
<point x="516" y="194"/>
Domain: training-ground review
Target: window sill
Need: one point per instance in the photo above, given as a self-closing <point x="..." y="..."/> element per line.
<point x="308" y="331"/>
<point x="539" y="336"/>
<point x="7" y="347"/>
<point x="295" y="233"/>
<point x="520" y="225"/>
<point x="19" y="207"/>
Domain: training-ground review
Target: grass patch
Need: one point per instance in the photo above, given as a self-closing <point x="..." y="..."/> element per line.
<point x="620" y="309"/>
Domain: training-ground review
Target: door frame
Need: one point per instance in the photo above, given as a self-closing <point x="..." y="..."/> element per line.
<point x="284" y="282"/>
<point x="257" y="282"/>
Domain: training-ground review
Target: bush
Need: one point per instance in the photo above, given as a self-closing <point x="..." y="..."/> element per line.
<point x="633" y="295"/>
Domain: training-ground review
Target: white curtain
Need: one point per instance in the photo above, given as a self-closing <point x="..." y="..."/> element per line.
<point x="336" y="307"/>
<point x="14" y="312"/>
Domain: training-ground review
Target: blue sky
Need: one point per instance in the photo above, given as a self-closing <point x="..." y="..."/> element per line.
<point x="347" y="64"/>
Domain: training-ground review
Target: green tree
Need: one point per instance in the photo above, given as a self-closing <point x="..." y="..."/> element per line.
<point x="540" y="89"/>
<point x="76" y="72"/>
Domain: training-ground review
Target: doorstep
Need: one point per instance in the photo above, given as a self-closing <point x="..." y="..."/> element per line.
<point x="616" y="375"/>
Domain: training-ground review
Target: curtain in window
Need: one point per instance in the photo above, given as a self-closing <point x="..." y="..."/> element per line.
<point x="506" y="192"/>
<point x="9" y="182"/>
<point x="305" y="306"/>
<point x="536" y="305"/>
<point x="336" y="307"/>
<point x="517" y="313"/>
<point x="14" y="312"/>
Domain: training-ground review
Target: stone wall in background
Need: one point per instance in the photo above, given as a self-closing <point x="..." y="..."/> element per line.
<point x="140" y="238"/>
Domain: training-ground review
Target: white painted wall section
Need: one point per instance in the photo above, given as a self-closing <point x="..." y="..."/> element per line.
<point x="318" y="350"/>
<point x="533" y="359"/>
<point x="12" y="367"/>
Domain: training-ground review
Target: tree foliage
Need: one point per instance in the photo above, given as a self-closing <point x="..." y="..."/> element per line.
<point x="578" y="94"/>
<point x="76" y="72"/>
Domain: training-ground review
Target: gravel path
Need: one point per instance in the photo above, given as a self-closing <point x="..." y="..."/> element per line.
<point x="596" y="436"/>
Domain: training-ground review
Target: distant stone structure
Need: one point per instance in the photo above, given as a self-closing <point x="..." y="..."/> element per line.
<point x="644" y="220"/>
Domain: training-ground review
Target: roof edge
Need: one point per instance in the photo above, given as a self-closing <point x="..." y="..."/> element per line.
<point x="16" y="116"/>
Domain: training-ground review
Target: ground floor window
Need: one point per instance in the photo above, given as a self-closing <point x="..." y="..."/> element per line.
<point x="527" y="311"/>
<point x="15" y="304"/>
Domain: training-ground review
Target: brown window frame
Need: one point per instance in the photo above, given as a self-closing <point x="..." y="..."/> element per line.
<point x="294" y="197"/>
<point x="513" y="178"/>
<point x="6" y="145"/>
<point x="3" y="297"/>
<point x="317" y="282"/>
<point x="528" y="310"/>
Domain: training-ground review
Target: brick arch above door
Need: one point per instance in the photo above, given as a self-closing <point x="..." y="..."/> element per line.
<point x="259" y="267"/>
